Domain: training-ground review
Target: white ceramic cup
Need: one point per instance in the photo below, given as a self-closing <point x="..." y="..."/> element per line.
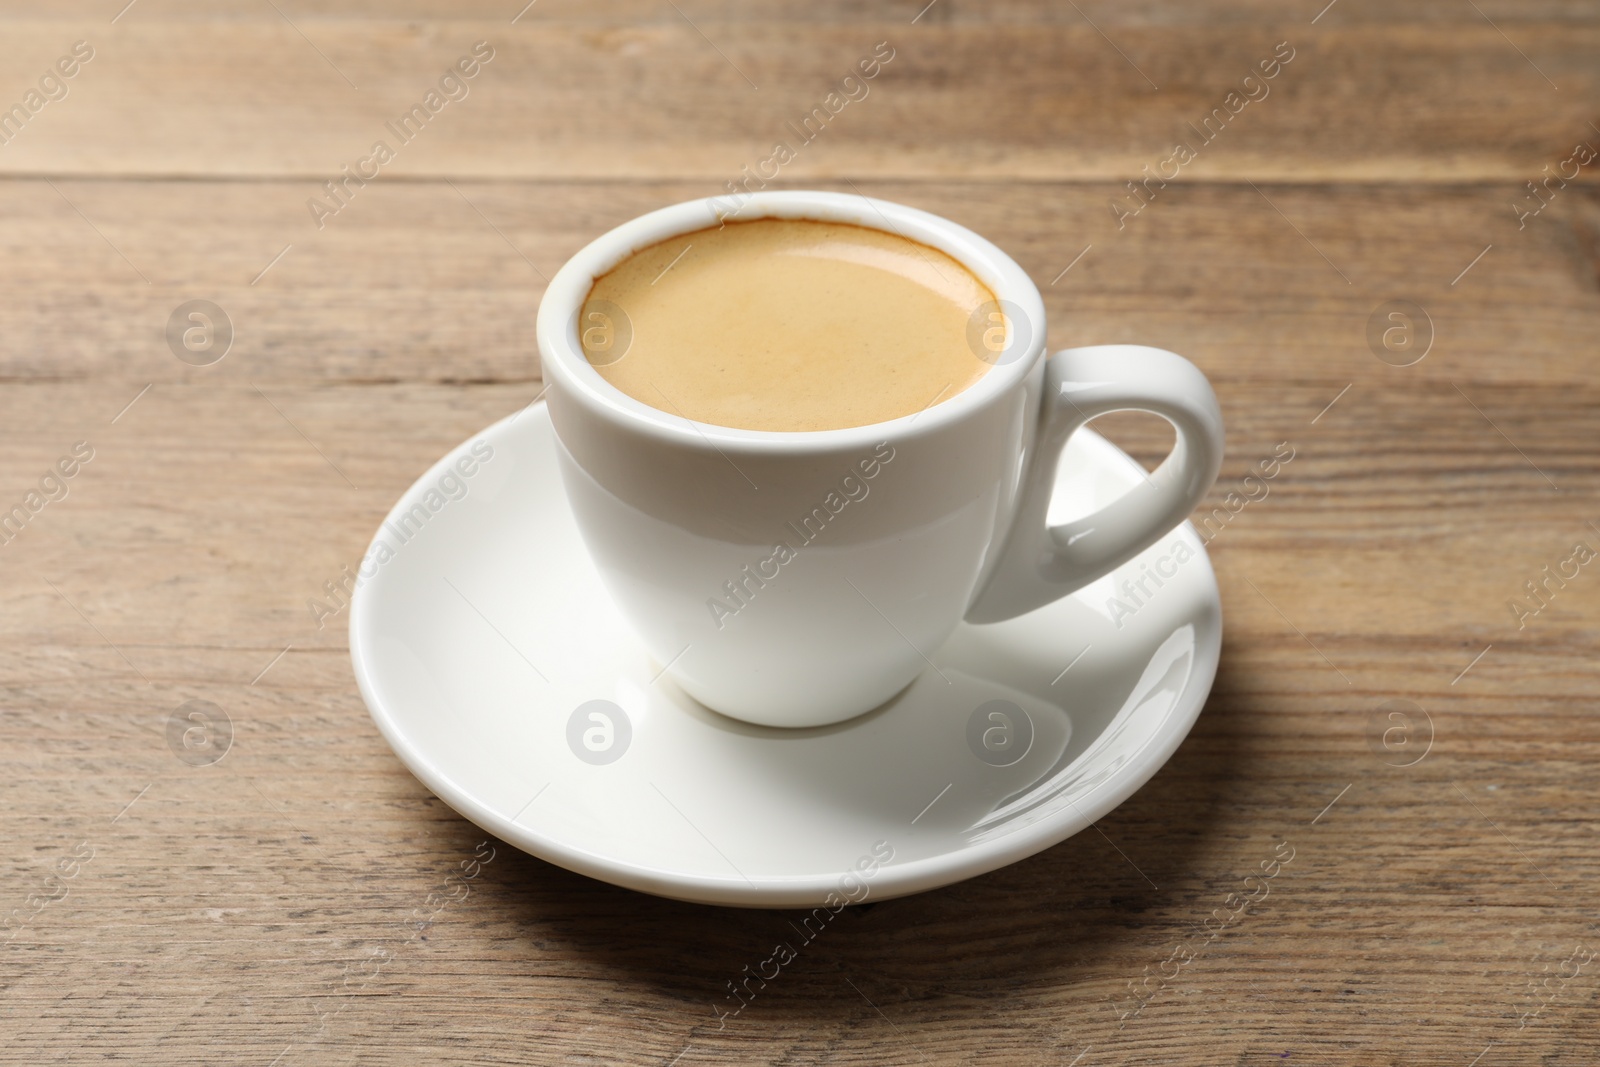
<point x="802" y="578"/>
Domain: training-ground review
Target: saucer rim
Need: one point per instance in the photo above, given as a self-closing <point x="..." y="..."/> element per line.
<point x="784" y="890"/>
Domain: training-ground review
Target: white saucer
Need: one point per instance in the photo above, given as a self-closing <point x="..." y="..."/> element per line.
<point x="482" y="639"/>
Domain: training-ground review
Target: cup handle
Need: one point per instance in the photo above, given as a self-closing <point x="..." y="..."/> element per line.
<point x="1040" y="563"/>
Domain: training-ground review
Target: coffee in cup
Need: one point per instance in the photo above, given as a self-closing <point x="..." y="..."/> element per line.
<point x="786" y="324"/>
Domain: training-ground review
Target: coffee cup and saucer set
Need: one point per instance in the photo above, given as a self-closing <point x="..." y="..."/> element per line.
<point x="799" y="668"/>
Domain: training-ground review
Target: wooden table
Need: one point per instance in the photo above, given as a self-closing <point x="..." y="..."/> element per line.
<point x="1440" y="905"/>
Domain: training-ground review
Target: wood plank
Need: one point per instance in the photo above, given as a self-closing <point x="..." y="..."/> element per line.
<point x="1463" y="496"/>
<point x="424" y="282"/>
<point x="962" y="12"/>
<point x="1023" y="101"/>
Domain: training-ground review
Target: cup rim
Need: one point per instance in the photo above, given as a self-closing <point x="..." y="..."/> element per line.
<point x="567" y="369"/>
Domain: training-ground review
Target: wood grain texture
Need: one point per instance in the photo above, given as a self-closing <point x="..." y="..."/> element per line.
<point x="704" y="98"/>
<point x="230" y="913"/>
